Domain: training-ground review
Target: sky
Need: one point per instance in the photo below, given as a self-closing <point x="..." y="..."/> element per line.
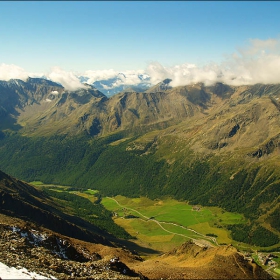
<point x="185" y="40"/>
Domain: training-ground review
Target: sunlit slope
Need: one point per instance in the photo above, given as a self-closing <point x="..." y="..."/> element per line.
<point x="190" y="261"/>
<point x="215" y="146"/>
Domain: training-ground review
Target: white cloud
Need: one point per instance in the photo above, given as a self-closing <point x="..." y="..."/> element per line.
<point x="68" y="79"/>
<point x="127" y="77"/>
<point x="182" y="74"/>
<point x="257" y="63"/>
<point x="99" y="75"/>
<point x="259" y="46"/>
<point x="157" y="72"/>
<point x="12" y="71"/>
<point x="106" y="87"/>
<point x="132" y="77"/>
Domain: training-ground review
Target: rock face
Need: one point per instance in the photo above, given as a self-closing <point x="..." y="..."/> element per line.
<point x="52" y="255"/>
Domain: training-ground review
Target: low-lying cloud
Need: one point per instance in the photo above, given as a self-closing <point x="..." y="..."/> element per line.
<point x="257" y="63"/>
<point x="12" y="71"/>
<point x="128" y="77"/>
<point x="67" y="79"/>
<point x="99" y="75"/>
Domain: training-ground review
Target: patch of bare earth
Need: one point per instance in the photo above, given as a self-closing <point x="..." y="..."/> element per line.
<point x="193" y="262"/>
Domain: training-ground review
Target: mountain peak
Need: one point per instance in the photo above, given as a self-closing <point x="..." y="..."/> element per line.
<point x="161" y="86"/>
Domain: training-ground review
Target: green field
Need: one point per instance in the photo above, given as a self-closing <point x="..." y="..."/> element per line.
<point x="163" y="224"/>
<point x="277" y="270"/>
<point x="159" y="224"/>
<point x="36" y="183"/>
<point x="91" y="192"/>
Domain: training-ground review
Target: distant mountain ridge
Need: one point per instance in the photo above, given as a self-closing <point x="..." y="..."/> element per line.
<point x="42" y="107"/>
<point x="39" y="105"/>
<point x="35" y="96"/>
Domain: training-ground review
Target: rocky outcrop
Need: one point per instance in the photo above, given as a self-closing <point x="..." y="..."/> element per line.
<point x="267" y="148"/>
<point x="52" y="255"/>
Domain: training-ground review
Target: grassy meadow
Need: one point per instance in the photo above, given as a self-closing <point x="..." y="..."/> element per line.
<point x="164" y="224"/>
<point x="159" y="224"/>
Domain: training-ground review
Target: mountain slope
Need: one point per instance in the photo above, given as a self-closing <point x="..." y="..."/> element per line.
<point x="193" y="262"/>
<point x="17" y="94"/>
<point x="19" y="199"/>
<point x="216" y="145"/>
<point x="54" y="110"/>
<point x="42" y="107"/>
<point x="27" y="241"/>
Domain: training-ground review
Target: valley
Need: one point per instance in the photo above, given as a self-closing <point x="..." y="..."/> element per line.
<point x="164" y="224"/>
<point x="140" y="140"/>
<point x="148" y="171"/>
<point x="169" y="220"/>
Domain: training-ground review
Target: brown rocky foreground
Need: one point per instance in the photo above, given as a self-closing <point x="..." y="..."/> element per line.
<point x="23" y="245"/>
<point x="50" y="254"/>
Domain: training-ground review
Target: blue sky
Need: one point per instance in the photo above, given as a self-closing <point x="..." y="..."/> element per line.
<point x="129" y="35"/>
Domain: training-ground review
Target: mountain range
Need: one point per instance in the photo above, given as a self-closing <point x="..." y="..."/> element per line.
<point x="212" y="145"/>
<point x="38" y="104"/>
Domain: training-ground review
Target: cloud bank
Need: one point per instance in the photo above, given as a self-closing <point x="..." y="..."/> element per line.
<point x="258" y="62"/>
<point x="12" y="71"/>
<point x="98" y="75"/>
<point x="67" y="79"/>
<point x="128" y="77"/>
